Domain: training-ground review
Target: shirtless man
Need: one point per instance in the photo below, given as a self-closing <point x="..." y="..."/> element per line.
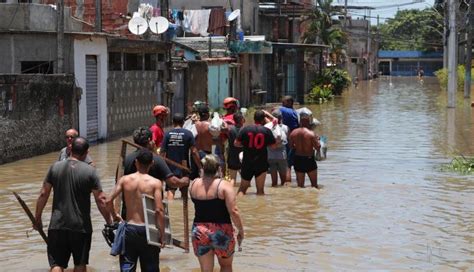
<point x="133" y="186"/>
<point x="305" y="142"/>
<point x="204" y="138"/>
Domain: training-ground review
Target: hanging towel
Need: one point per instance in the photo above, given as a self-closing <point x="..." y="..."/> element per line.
<point x="217" y="22"/>
<point x="187" y="16"/>
<point x="118" y="247"/>
<point x="200" y="22"/>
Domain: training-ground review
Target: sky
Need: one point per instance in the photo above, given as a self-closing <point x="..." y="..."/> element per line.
<point x="383" y="12"/>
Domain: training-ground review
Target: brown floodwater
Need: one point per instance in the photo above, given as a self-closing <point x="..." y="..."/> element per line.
<point x="385" y="204"/>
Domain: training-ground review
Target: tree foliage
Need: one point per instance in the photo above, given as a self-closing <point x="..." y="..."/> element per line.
<point x="324" y="29"/>
<point x="413" y="30"/>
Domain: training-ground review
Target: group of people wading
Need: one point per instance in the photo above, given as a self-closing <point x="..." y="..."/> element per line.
<point x="275" y="142"/>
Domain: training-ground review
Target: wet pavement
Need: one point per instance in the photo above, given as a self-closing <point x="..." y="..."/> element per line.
<point x="384" y="204"/>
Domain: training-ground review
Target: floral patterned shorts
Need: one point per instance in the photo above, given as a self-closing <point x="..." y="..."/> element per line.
<point x="211" y="236"/>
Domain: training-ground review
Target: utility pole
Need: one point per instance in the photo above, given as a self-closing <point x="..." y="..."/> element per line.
<point x="368" y="47"/>
<point x="469" y="37"/>
<point x="60" y="36"/>
<point x="378" y="46"/>
<point x="452" y="48"/>
<point x="98" y="15"/>
<point x="445" y="35"/>
<point x="345" y="13"/>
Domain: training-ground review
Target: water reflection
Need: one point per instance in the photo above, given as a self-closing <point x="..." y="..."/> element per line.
<point x="384" y="205"/>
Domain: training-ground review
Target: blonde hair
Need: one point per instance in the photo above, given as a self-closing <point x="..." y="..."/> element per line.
<point x="210" y="165"/>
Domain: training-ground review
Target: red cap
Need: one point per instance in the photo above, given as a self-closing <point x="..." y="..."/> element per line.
<point x="157" y="110"/>
<point x="229" y="101"/>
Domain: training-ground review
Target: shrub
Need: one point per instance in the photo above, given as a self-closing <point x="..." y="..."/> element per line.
<point x="442" y="75"/>
<point x="319" y="94"/>
<point x="461" y="164"/>
<point x="338" y="80"/>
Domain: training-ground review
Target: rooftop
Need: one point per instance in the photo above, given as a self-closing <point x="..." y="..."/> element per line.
<point x="409" y="54"/>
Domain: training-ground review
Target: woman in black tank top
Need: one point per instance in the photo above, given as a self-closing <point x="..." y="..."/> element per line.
<point x="215" y="211"/>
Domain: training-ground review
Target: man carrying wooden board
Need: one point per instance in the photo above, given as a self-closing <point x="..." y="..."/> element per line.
<point x="135" y="244"/>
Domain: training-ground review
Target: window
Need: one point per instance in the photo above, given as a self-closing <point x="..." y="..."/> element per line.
<point x="150" y="62"/>
<point x="37" y="67"/>
<point x="115" y="61"/>
<point x="161" y="57"/>
<point x="133" y="62"/>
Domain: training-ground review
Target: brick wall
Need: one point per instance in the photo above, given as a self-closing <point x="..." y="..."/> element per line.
<point x="131" y="97"/>
<point x="35" y="111"/>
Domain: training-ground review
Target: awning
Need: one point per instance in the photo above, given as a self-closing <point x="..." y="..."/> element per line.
<point x="250" y="47"/>
<point x="302" y="46"/>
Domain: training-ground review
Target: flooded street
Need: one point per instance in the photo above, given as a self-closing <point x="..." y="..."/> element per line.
<point x="384" y="204"/>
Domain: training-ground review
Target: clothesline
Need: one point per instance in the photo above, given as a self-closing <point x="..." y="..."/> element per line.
<point x="202" y="22"/>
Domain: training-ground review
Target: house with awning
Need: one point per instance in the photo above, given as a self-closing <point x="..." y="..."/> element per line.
<point x="407" y="63"/>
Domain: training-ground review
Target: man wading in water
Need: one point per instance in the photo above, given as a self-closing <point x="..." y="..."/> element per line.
<point x="305" y="142"/>
<point x="133" y="186"/>
<point x="70" y="228"/>
<point x="65" y="153"/>
<point x="254" y="139"/>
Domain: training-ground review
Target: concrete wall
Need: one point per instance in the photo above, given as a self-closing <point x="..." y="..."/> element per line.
<point x="35" y="17"/>
<point x="35" y="110"/>
<point x="92" y="46"/>
<point x="16" y="48"/>
<point x="131" y="98"/>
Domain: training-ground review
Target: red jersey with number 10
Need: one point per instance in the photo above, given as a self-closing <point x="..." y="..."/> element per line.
<point x="255" y="140"/>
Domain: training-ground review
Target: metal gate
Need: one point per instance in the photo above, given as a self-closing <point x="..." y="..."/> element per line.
<point x="218" y="80"/>
<point x="92" y="98"/>
<point x="178" y="96"/>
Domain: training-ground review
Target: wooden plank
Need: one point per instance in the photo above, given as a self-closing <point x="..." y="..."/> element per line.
<point x="168" y="161"/>
<point x="30" y="215"/>
<point x="119" y="171"/>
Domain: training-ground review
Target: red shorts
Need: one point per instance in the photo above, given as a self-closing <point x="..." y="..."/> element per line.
<point x="211" y="236"/>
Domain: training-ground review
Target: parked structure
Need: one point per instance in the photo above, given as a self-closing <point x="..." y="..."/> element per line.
<point x="407" y="63"/>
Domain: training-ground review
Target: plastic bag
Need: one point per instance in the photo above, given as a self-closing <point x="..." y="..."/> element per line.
<point x="304" y="110"/>
<point x="321" y="154"/>
<point x="276" y="129"/>
<point x="216" y="125"/>
<point x="189" y="125"/>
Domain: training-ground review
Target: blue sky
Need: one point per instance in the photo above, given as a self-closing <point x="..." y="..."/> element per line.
<point x="383" y="12"/>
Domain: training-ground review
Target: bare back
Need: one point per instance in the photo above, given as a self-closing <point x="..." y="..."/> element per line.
<point x="134" y="185"/>
<point x="304" y="141"/>
<point x="204" y="139"/>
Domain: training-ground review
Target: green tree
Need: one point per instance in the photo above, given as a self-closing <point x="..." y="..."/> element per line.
<point x="326" y="30"/>
<point x="413" y="30"/>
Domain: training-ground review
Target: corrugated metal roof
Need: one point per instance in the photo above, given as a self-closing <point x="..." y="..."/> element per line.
<point x="390" y="54"/>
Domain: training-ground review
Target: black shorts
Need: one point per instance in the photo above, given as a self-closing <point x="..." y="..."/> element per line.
<point x="249" y="170"/>
<point x="234" y="165"/>
<point x="63" y="243"/>
<point x="304" y="164"/>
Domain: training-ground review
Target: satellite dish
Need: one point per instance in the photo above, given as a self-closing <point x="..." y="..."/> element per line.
<point x="137" y="25"/>
<point x="233" y="15"/>
<point x="158" y="24"/>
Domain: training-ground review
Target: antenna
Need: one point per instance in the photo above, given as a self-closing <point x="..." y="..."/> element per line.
<point x="158" y="24"/>
<point x="233" y="15"/>
<point x="137" y="25"/>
